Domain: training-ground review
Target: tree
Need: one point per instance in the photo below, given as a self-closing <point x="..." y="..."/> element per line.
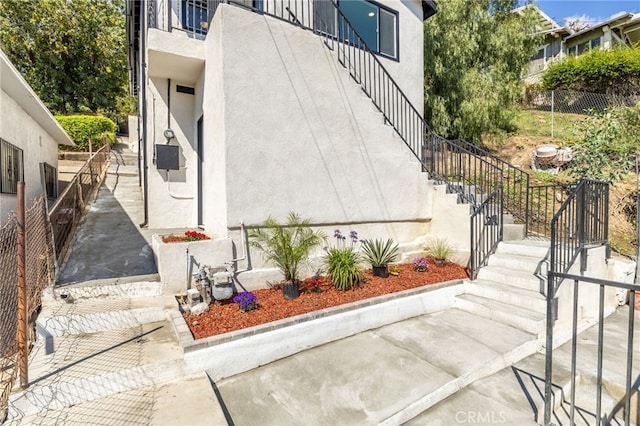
<point x="73" y="53"/>
<point x="474" y="55"/>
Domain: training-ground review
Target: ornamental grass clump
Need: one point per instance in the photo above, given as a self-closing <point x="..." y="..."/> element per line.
<point x="246" y="301"/>
<point x="343" y="261"/>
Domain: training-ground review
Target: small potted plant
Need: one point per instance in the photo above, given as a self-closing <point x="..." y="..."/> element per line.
<point x="421" y="264"/>
<point x="440" y="249"/>
<point x="379" y="254"/>
<point x="287" y="246"/>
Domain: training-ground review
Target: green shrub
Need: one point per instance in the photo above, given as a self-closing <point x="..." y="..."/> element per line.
<point x="83" y="128"/>
<point x="608" y="145"/>
<point x="614" y="71"/>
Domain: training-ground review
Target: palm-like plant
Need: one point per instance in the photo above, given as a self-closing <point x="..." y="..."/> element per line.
<point x="286" y="246"/>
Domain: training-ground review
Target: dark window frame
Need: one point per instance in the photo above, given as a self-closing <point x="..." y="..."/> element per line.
<point x="8" y="154"/>
<point x="334" y="29"/>
<point x="49" y="178"/>
<point x="189" y="24"/>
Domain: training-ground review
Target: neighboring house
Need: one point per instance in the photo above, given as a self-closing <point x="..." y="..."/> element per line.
<point x="29" y="139"/>
<point x="243" y="115"/>
<point x="560" y="42"/>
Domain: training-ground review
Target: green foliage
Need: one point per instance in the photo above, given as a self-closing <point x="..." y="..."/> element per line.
<point x="73" y="53"/>
<point x="343" y="262"/>
<point x="286" y="246"/>
<point x="439" y="248"/>
<point x="615" y="71"/>
<point x="380" y="253"/>
<point x="608" y="147"/>
<point x="85" y="128"/>
<point x="535" y="122"/>
<point x="474" y="54"/>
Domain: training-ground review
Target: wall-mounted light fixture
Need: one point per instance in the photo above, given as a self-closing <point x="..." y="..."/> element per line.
<point x="169" y="134"/>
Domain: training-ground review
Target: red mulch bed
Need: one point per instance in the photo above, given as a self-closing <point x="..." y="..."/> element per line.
<point x="225" y="316"/>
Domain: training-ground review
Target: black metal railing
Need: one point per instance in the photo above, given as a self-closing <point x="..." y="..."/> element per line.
<point x="582" y="220"/>
<point x="543" y="201"/>
<point x="470" y="176"/>
<point x="486" y="230"/>
<point x="581" y="223"/>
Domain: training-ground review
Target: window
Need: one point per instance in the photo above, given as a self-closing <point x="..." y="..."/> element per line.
<point x="595" y="43"/>
<point x="11" y="167"/>
<point x="375" y="24"/>
<point x="49" y="179"/>
<point x="195" y="16"/>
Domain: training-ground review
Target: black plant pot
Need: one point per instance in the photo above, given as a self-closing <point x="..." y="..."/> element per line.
<point x="290" y="290"/>
<point x="380" y="271"/>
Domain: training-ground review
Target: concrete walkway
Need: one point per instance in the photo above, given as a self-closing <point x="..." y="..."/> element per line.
<point x="111" y="355"/>
<point x="109" y="243"/>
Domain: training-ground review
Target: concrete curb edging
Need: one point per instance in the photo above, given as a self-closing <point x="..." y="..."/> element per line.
<point x="236" y="352"/>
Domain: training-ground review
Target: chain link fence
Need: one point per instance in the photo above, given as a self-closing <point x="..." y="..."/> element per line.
<point x="561" y="109"/>
<point x="48" y="238"/>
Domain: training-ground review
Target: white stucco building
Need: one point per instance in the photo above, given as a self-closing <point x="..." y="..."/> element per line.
<point x="247" y="112"/>
<point x="29" y="139"/>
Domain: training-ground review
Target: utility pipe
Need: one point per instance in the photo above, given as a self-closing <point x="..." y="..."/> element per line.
<point x="143" y="90"/>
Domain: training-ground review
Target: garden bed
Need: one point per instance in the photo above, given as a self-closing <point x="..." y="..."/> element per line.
<point x="226" y="317"/>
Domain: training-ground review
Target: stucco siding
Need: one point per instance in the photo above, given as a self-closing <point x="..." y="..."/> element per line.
<point x="171" y="194"/>
<point x="21" y="130"/>
<point x="301" y="136"/>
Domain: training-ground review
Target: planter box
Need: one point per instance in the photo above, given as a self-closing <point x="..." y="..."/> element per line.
<point x="177" y="261"/>
<point x="232" y="353"/>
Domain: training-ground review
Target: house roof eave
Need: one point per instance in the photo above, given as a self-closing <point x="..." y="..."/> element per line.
<point x="429" y="8"/>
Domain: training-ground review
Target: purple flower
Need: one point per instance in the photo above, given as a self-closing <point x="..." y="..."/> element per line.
<point x="337" y="234"/>
<point x="246" y="300"/>
<point x="421" y="264"/>
<point x="354" y="236"/>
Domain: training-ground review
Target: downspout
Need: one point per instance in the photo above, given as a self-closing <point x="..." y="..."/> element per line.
<point x="143" y="90"/>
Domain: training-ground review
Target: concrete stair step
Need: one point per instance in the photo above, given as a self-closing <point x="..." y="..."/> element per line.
<point x="86" y="367"/>
<point x="110" y="288"/>
<point x="531" y="248"/>
<point x="513" y="232"/>
<point x="66" y="316"/>
<point x="521" y="318"/>
<point x="527" y="299"/>
<point x="517" y="262"/>
<point x="511" y="276"/>
<point x="148" y="405"/>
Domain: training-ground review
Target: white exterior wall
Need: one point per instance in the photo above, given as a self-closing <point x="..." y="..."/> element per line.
<point x="171" y="194"/>
<point x="310" y="141"/>
<point x="19" y="129"/>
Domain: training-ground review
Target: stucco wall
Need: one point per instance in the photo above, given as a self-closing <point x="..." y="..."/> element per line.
<point x="18" y="128"/>
<point x="310" y="141"/>
<point x="171" y="194"/>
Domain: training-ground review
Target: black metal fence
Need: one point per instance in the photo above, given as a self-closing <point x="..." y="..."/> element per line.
<point x="581" y="223"/>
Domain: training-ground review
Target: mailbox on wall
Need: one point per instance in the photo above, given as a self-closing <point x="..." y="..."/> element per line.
<point x="167" y="157"/>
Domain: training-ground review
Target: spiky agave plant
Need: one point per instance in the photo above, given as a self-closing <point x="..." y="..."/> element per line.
<point x="287" y="246"/>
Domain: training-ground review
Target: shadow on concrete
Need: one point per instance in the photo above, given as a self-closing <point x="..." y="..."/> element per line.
<point x="108" y="243"/>
<point x="223" y="406"/>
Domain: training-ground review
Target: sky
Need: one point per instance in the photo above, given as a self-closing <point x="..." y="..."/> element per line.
<point x="592" y="11"/>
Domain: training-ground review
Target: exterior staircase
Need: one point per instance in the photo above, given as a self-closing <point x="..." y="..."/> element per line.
<point x="85" y="329"/>
<point x="507" y="290"/>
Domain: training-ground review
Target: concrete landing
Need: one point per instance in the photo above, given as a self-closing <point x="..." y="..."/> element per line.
<point x="387" y="375"/>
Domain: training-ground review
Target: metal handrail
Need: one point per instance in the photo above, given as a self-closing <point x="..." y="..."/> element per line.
<point x="486" y="230"/>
